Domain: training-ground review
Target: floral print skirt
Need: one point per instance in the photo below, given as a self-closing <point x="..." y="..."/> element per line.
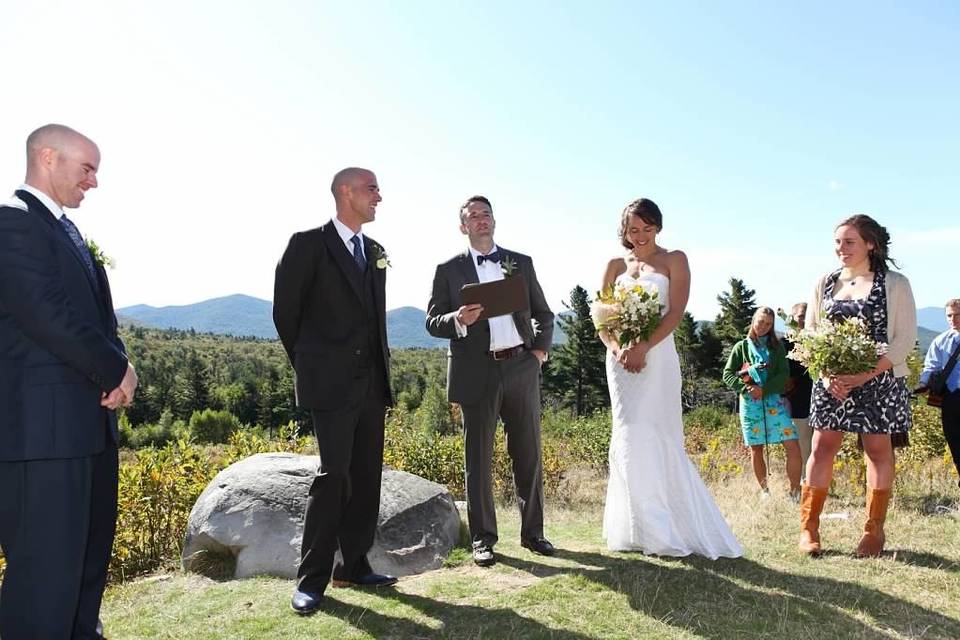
<point x="882" y="406"/>
<point x="765" y="421"/>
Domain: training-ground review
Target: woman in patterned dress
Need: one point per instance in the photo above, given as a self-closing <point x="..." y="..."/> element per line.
<point x="757" y="370"/>
<point x="875" y="404"/>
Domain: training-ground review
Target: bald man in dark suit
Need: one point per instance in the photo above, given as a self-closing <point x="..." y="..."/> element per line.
<point x="63" y="373"/>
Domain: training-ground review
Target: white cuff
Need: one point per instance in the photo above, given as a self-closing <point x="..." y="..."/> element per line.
<point x="461" y="329"/>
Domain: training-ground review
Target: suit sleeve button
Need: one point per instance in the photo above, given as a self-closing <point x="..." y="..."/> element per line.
<point x="357" y="352"/>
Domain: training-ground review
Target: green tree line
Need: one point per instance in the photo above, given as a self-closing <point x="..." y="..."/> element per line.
<point x="184" y="373"/>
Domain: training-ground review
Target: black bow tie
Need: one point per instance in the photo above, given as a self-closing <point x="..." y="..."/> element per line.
<point x="492" y="257"/>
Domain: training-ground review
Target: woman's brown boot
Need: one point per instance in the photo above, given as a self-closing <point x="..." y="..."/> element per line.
<point x="811" y="504"/>
<point x="871" y="543"/>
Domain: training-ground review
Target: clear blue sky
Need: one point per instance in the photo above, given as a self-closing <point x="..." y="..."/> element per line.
<point x="755" y="126"/>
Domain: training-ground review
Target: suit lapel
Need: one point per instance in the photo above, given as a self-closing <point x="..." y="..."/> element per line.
<point x="373" y="252"/>
<point x="344" y="260"/>
<point x="466" y="267"/>
<point x="36" y="207"/>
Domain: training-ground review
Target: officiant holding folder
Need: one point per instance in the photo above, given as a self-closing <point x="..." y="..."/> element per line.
<point x="494" y="370"/>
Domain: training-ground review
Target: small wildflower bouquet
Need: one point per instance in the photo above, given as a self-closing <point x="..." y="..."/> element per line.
<point x="629" y="313"/>
<point x="839" y="347"/>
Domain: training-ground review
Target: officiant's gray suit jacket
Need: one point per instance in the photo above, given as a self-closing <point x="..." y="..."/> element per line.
<point x="469" y="361"/>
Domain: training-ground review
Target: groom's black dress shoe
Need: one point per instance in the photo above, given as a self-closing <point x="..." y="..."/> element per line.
<point x="483" y="555"/>
<point x="306" y="602"/>
<point x="540" y="546"/>
<point x="369" y="580"/>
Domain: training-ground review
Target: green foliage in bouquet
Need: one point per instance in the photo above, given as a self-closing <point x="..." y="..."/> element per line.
<point x="629" y="313"/>
<point x="835" y="348"/>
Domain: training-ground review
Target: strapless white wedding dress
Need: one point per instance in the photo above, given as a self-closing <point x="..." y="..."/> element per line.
<point x="656" y="501"/>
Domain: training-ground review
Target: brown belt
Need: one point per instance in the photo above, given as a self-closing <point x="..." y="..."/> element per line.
<point x="506" y="354"/>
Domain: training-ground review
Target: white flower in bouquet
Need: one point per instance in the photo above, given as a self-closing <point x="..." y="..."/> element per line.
<point x="630" y="313"/>
<point x="836" y="348"/>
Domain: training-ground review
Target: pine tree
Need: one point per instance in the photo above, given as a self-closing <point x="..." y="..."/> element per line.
<point x="708" y="353"/>
<point x="686" y="338"/>
<point x="736" y="312"/>
<point x="575" y="374"/>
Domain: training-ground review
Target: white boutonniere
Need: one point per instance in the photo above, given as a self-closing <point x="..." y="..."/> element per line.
<point x="382" y="260"/>
<point x="535" y="326"/>
<point x="98" y="255"/>
<point x="508" y="266"/>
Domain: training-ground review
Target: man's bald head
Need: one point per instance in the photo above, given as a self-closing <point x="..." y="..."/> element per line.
<point x="62" y="163"/>
<point x="356" y="194"/>
<point x="347" y="177"/>
<point x="54" y="136"/>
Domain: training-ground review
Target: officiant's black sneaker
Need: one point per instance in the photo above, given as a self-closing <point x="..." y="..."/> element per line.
<point x="539" y="546"/>
<point x="483" y="556"/>
<point x="369" y="580"/>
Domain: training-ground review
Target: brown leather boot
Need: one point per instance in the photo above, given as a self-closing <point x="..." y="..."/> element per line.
<point x="871" y="543"/>
<point x="811" y="504"/>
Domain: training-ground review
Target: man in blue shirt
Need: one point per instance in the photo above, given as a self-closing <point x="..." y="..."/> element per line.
<point x="937" y="356"/>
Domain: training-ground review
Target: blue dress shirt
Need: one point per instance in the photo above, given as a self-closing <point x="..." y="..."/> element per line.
<point x="937" y="356"/>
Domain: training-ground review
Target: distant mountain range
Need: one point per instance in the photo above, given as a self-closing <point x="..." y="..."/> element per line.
<point x="241" y="315"/>
<point x="933" y="318"/>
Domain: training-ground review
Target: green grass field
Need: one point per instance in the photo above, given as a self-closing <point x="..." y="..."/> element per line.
<point x="589" y="592"/>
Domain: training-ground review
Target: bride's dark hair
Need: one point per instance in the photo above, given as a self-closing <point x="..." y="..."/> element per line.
<point x="645" y="209"/>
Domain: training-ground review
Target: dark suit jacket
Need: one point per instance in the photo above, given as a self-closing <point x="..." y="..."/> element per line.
<point x="468" y="360"/>
<point x="59" y="348"/>
<point x="319" y="314"/>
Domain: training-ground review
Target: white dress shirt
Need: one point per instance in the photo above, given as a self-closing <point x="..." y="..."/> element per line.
<point x="346" y="233"/>
<point x="17" y="203"/>
<point x="503" y="330"/>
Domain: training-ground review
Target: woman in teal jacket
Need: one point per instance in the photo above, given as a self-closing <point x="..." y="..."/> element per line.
<point x="757" y="370"/>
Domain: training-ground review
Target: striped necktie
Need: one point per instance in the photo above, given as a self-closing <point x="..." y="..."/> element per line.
<point x="74" y="234"/>
<point x="358" y="253"/>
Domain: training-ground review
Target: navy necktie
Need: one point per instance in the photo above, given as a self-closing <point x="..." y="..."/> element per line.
<point x="492" y="257"/>
<point x="358" y="253"/>
<point x="74" y="234"/>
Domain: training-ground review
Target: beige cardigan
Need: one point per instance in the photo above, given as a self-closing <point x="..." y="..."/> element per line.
<point x="901" y="318"/>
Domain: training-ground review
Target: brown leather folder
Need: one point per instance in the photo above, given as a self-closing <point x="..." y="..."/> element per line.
<point x="499" y="297"/>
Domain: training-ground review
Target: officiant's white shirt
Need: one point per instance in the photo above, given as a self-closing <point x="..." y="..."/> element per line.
<point x="503" y="330"/>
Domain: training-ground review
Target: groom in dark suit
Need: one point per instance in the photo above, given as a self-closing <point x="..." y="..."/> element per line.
<point x="494" y="372"/>
<point x="329" y="308"/>
<point x="63" y="373"/>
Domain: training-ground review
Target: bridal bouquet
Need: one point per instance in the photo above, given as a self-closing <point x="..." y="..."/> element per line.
<point x="629" y="313"/>
<point x="836" y="348"/>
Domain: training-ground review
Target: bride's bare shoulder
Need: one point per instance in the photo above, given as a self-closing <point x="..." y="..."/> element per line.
<point x="615" y="267"/>
<point x="676" y="258"/>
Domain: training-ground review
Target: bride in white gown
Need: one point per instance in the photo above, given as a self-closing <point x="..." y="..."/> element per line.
<point x="656" y="501"/>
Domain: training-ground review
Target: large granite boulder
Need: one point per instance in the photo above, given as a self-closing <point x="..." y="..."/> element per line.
<point x="250" y="519"/>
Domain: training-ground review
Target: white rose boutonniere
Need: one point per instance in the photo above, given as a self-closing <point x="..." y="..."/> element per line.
<point x="382" y="260"/>
<point x="98" y="255"/>
<point x="535" y="326"/>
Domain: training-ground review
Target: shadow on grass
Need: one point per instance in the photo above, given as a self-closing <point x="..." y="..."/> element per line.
<point x="931" y="504"/>
<point x="772" y="602"/>
<point x="922" y="559"/>
<point x="458" y="621"/>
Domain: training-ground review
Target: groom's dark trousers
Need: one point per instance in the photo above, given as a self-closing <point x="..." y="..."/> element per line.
<point x="331" y="318"/>
<point x="59" y="351"/>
